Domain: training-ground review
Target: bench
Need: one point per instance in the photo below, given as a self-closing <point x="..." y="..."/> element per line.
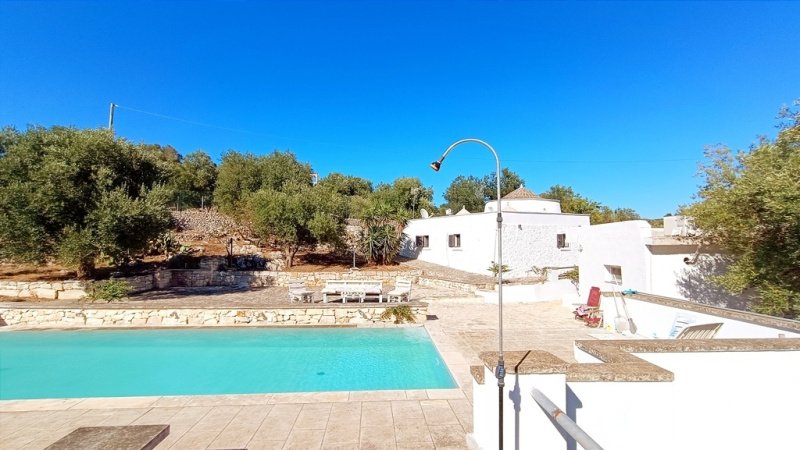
<point x="359" y="289"/>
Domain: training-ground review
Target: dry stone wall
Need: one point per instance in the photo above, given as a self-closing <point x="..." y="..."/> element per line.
<point x="197" y="278"/>
<point x="76" y="289"/>
<point x="50" y="290"/>
<point x="151" y="317"/>
<point x="163" y="279"/>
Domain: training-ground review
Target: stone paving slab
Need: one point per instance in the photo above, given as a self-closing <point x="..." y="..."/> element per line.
<point x="136" y="437"/>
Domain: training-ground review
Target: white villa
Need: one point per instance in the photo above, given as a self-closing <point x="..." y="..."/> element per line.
<point x="535" y="234"/>
<point x="665" y="261"/>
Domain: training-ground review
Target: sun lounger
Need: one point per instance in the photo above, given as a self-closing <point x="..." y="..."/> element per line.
<point x="703" y="331"/>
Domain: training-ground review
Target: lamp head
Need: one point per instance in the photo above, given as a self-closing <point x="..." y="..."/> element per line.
<point x="436" y="165"/>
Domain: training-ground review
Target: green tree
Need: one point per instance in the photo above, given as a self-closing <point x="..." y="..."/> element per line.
<point x="509" y="181"/>
<point x="750" y="207"/>
<point x="193" y="180"/>
<point x="384" y="214"/>
<point x="237" y="177"/>
<point x="571" y="202"/>
<point x="296" y="217"/>
<point x="240" y="175"/>
<point x="574" y="203"/>
<point x="467" y="192"/>
<point x="403" y="198"/>
<point x="382" y="230"/>
<point x="346" y="185"/>
<point x="352" y="190"/>
<point x="79" y="195"/>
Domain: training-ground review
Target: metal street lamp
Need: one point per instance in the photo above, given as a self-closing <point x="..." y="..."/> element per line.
<point x="500" y="370"/>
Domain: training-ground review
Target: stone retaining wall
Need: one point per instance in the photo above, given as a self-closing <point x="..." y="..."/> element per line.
<point x="76" y="289"/>
<point x="163" y="279"/>
<point x="70" y="290"/>
<point x="436" y="282"/>
<point x="176" y="317"/>
<point x="196" y="278"/>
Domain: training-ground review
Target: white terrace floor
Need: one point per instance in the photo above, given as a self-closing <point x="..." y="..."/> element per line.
<point x="333" y="420"/>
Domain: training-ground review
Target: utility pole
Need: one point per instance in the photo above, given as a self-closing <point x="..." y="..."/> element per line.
<point x="111" y="117"/>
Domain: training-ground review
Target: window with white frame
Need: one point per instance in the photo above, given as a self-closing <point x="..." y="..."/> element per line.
<point x="561" y="241"/>
<point x="423" y="242"/>
<point x="614" y="274"/>
<point x="454" y="240"/>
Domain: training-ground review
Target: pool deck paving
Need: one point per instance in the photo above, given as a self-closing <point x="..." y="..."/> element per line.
<point x="460" y="327"/>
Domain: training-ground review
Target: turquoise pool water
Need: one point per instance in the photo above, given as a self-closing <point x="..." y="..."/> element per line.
<point x="110" y="363"/>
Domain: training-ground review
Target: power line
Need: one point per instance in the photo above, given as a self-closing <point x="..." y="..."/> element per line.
<point x="587" y="161"/>
<point x="534" y="161"/>
<point x="236" y="130"/>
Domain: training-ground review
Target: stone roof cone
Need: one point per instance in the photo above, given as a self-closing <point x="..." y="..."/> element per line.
<point x="520" y="193"/>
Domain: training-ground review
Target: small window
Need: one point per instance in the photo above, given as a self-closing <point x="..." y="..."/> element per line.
<point x="422" y="242"/>
<point x="614" y="274"/>
<point x="561" y="241"/>
<point x="454" y="240"/>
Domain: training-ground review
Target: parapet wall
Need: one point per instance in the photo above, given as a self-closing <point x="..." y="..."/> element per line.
<point x="126" y="316"/>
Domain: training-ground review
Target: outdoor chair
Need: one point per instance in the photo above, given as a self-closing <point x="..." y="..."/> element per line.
<point x="298" y="291"/>
<point x="402" y="289"/>
<point x="703" y="331"/>
<point x="590" y="312"/>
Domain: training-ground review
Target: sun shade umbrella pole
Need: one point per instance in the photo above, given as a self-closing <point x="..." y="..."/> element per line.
<point x="500" y="370"/>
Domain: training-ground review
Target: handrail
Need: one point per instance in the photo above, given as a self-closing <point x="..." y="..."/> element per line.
<point x="563" y="420"/>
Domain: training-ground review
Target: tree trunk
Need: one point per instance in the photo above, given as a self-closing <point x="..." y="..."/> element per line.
<point x="86" y="269"/>
<point x="290" y="252"/>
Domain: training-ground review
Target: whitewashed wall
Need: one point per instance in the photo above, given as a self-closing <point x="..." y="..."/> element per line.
<point x="525" y="426"/>
<point x="529" y="239"/>
<point x="654" y="320"/>
<point x="651" y="264"/>
<point x="539" y="205"/>
<point x="619" y="244"/>
<point x="730" y="400"/>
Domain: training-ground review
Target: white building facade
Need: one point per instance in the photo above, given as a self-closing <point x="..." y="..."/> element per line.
<point x="535" y="234"/>
<point x="668" y="261"/>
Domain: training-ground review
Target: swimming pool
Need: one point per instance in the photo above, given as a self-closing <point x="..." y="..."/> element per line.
<point x="110" y="363"/>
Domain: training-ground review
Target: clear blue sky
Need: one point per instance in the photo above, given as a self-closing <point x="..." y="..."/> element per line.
<point x="616" y="100"/>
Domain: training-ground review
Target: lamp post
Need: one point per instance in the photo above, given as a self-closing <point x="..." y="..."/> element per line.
<point x="500" y="370"/>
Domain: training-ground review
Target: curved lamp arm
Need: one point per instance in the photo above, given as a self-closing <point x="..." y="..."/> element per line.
<point x="436" y="165"/>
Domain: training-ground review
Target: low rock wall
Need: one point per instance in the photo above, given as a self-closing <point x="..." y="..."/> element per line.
<point x="76" y="289"/>
<point x="455" y="285"/>
<point x="51" y="290"/>
<point x="176" y="317"/>
<point x="196" y="278"/>
<point x="163" y="279"/>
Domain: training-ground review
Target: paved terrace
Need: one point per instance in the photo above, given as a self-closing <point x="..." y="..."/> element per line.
<point x="423" y="419"/>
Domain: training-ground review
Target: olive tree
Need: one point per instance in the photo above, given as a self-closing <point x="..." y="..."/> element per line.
<point x="750" y="207"/>
<point x="79" y="195"/>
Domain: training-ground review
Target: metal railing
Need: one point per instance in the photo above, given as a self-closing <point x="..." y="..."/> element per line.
<point x="564" y="421"/>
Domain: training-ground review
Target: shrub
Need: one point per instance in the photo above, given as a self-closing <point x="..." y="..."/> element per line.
<point x="494" y="268"/>
<point x="111" y="290"/>
<point x="572" y="275"/>
<point x="401" y="314"/>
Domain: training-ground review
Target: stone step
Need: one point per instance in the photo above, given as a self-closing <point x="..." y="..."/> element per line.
<point x="130" y="437"/>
